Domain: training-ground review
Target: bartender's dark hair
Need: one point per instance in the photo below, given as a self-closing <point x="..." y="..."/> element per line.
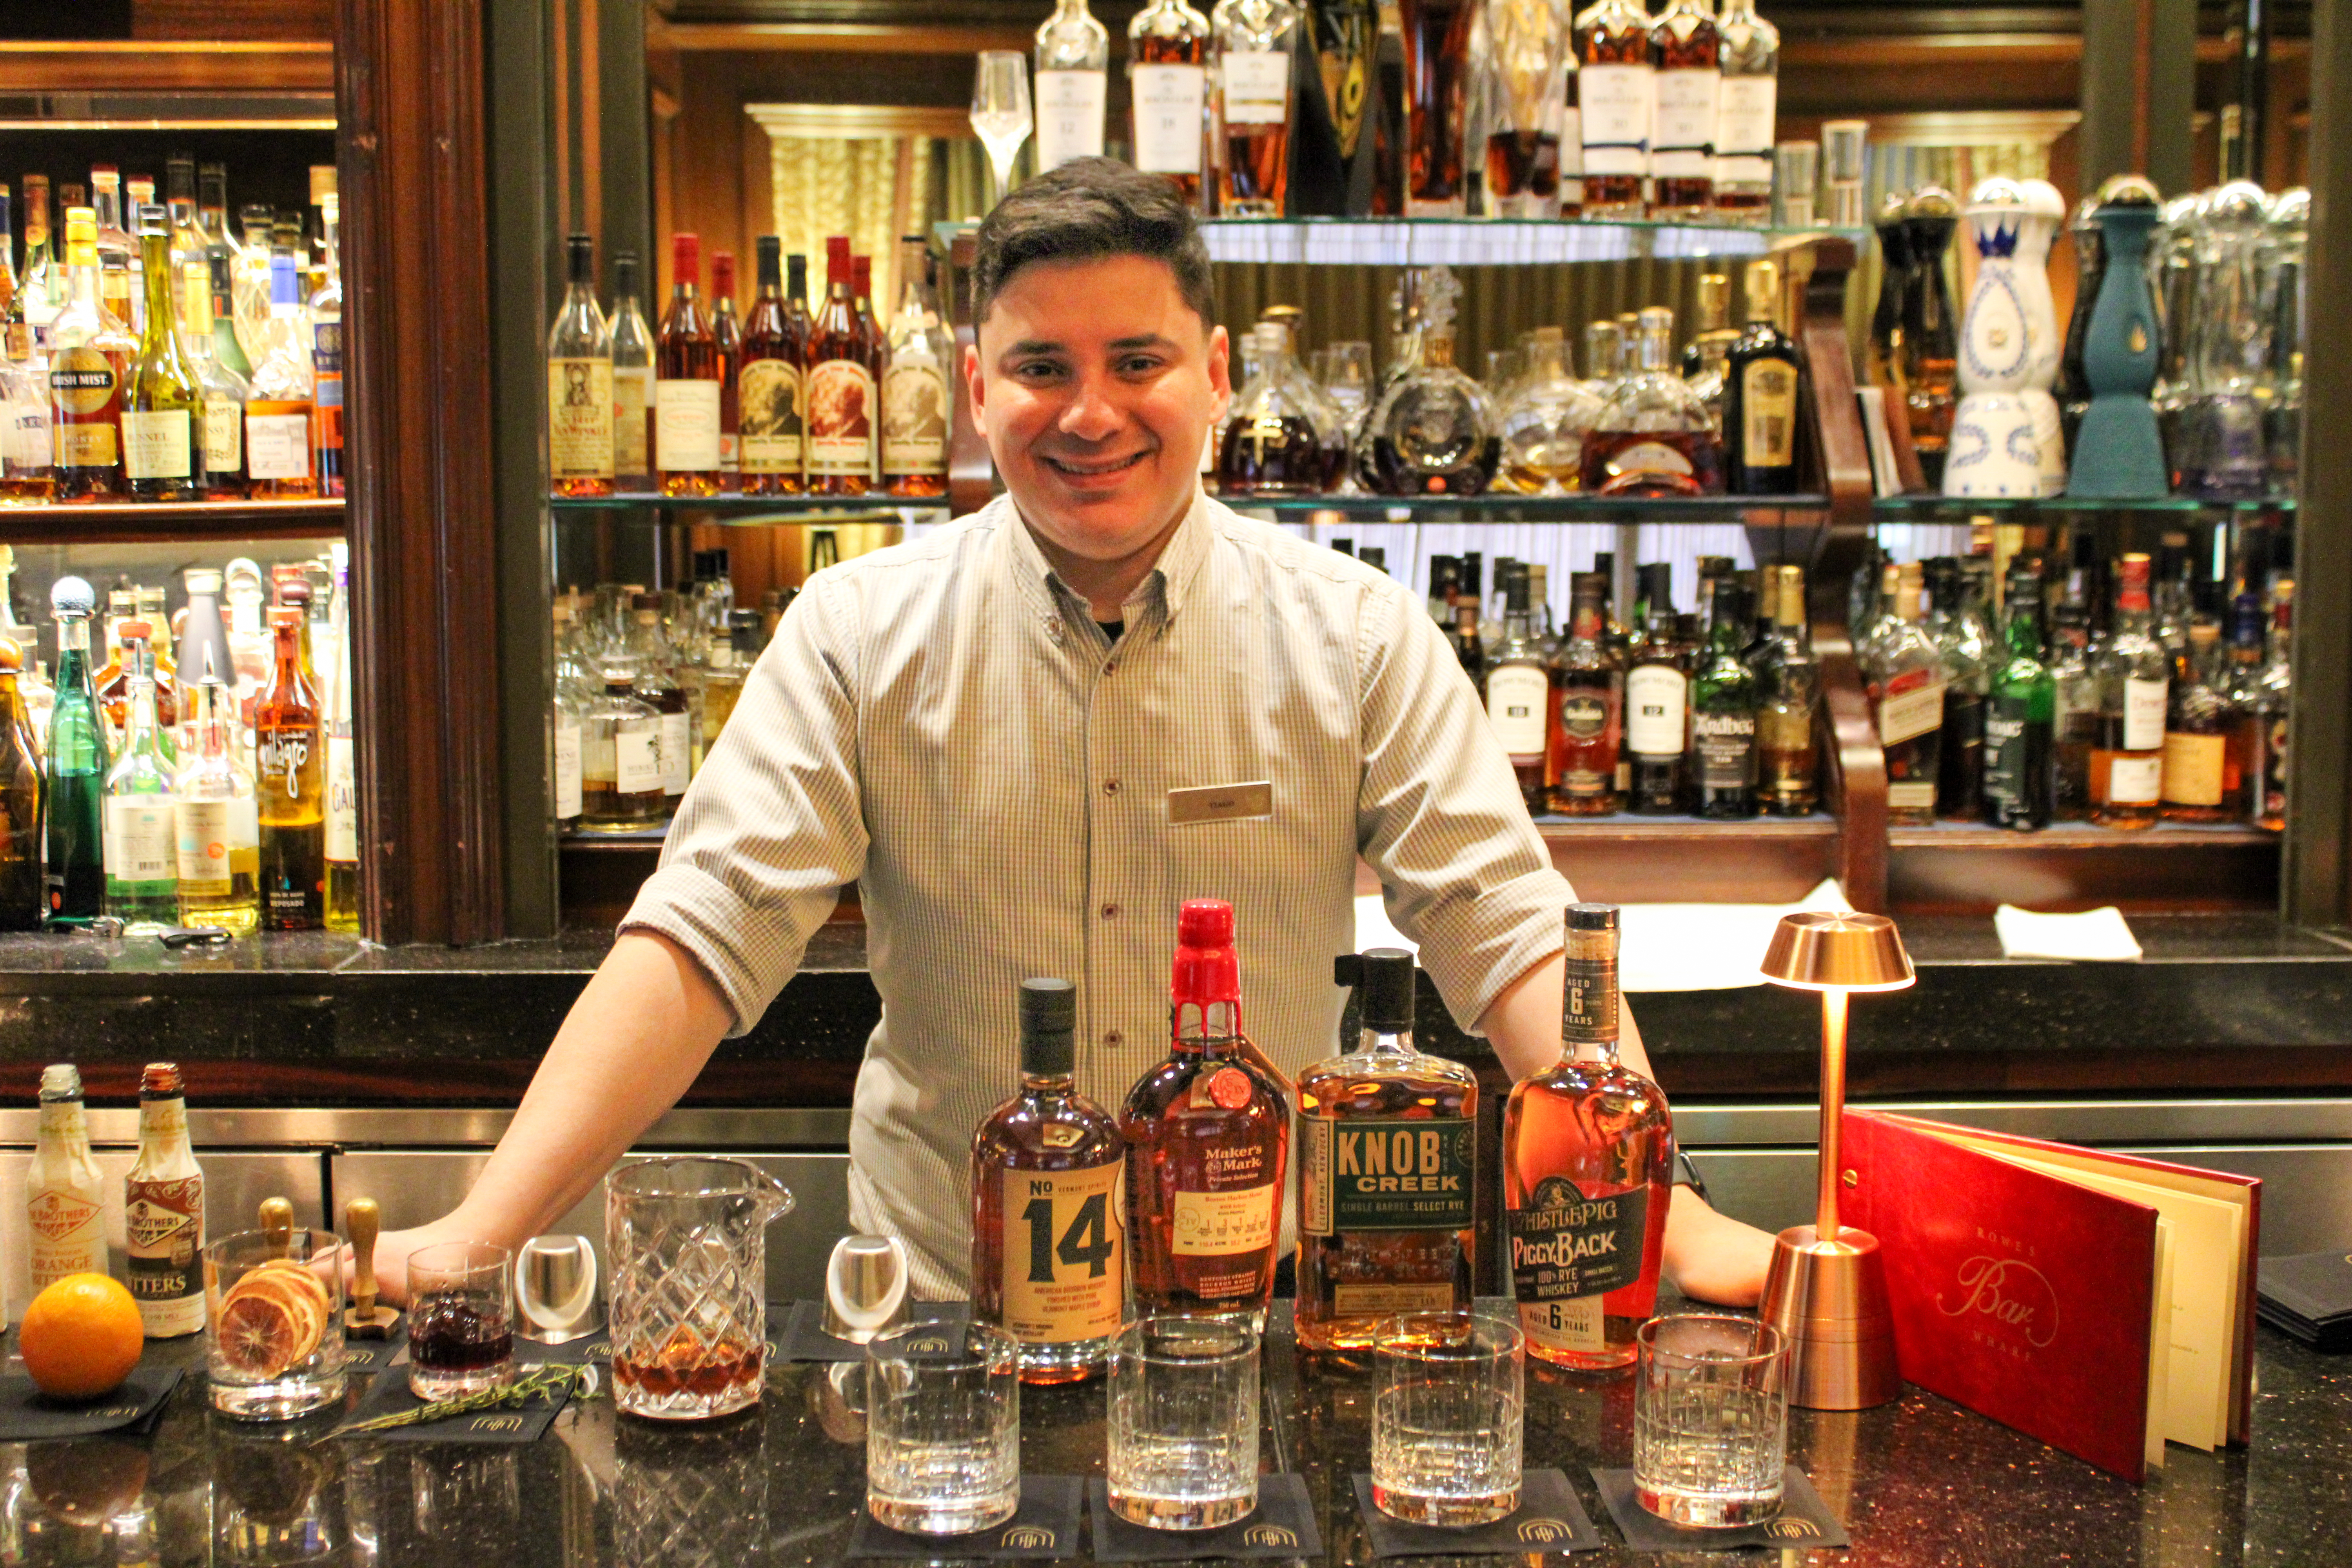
<point x="1088" y="209"/>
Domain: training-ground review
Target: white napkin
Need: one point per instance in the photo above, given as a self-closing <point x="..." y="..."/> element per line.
<point x="2095" y="933"/>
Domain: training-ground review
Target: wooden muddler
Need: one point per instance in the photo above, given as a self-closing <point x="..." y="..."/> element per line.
<point x="365" y="1320"/>
<point x="278" y="1220"/>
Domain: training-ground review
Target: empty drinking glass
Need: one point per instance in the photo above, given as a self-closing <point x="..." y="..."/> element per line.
<point x="1001" y="116"/>
<point x="1446" y="1417"/>
<point x="942" y="1428"/>
<point x="1183" y="1422"/>
<point x="1710" y="1420"/>
<point x="460" y="1318"/>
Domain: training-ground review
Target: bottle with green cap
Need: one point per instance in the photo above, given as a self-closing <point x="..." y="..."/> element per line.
<point x="1048" y="1204"/>
<point x="1587" y="1172"/>
<point x="1387" y="1169"/>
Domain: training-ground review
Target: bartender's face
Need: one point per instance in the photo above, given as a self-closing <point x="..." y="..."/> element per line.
<point x="1096" y="384"/>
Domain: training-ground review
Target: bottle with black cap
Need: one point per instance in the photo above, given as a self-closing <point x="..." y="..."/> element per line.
<point x="1048" y="1206"/>
<point x="1588" y="1171"/>
<point x="1387" y="1169"/>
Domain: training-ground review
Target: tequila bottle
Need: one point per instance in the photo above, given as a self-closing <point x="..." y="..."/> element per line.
<point x="579" y="383"/>
<point x="2020" y="718"/>
<point x="73" y="866"/>
<point x="1750" y="94"/>
<point x="1907" y="695"/>
<point x="1255" y="40"/>
<point x="142" y="840"/>
<point x="1167" y="81"/>
<point x="1930" y="335"/>
<point x="1587" y="1172"/>
<point x="1687" y="50"/>
<point x="164" y="404"/>
<point x="1656" y="439"/>
<point x="1585" y="730"/>
<point x="2227" y="455"/>
<point x="1545" y="420"/>
<point x="1073" y="70"/>
<point x="2135" y="680"/>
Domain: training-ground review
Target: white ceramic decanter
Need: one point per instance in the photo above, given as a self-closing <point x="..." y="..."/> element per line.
<point x="2045" y="214"/>
<point x="1995" y="451"/>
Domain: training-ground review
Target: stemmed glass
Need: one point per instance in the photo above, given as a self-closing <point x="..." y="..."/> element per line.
<point x="999" y="112"/>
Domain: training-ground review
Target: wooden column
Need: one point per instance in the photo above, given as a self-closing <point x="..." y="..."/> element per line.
<point x="409" y="109"/>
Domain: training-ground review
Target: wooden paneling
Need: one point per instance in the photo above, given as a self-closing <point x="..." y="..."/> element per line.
<point x="124" y="66"/>
<point x="212" y="19"/>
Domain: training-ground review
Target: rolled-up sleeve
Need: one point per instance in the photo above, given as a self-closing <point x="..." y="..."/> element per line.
<point x="1439" y="817"/>
<point x="772" y="827"/>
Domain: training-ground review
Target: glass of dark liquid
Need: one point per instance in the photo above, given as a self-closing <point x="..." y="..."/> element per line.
<point x="460" y="1318"/>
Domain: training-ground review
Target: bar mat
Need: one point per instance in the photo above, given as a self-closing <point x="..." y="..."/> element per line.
<point x="1549" y="1519"/>
<point x="28" y="1415"/>
<point x="1804" y="1518"/>
<point x="2309" y="1297"/>
<point x="372" y="1356"/>
<point x="1046" y="1525"/>
<point x="388" y="1395"/>
<point x="804" y="1338"/>
<point x="1282" y="1526"/>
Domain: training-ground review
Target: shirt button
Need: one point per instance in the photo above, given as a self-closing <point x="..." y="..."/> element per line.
<point x="1110" y="667"/>
<point x="1114" y="1039"/>
<point x="1110" y="787"/>
<point x="1110" y="911"/>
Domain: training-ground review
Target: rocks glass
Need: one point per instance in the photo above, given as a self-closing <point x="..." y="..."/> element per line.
<point x="1183" y="1422"/>
<point x="460" y="1318"/>
<point x="274" y="1306"/>
<point x="942" y="1428"/>
<point x="1710" y="1420"/>
<point x="1447" y="1417"/>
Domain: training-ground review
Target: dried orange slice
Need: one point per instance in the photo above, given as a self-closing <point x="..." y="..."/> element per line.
<point x="260" y="1334"/>
<point x="301" y="1303"/>
<point x="287" y="1269"/>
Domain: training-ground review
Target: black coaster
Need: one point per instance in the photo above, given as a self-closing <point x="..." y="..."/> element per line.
<point x="1046" y="1525"/>
<point x="1804" y="1521"/>
<point x="372" y="1356"/>
<point x="28" y="1415"/>
<point x="1282" y="1525"/>
<point x="388" y="1396"/>
<point x="803" y="1337"/>
<point x="589" y="1349"/>
<point x="1548" y="1519"/>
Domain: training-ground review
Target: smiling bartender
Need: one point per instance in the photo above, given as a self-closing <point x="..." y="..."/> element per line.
<point x="992" y="731"/>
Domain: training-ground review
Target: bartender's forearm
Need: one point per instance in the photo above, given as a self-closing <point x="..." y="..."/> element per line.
<point x="631" y="1046"/>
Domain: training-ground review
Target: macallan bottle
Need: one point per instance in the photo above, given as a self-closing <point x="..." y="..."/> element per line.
<point x="1688" y="54"/>
<point x="917" y="396"/>
<point x="1387" y="1170"/>
<point x="1048" y="1209"/>
<point x="840" y="387"/>
<point x="1588" y="1172"/>
<point x="1073" y="60"/>
<point x="686" y="382"/>
<point x="1255" y="42"/>
<point x="65" y="1196"/>
<point x="1168" y="84"/>
<point x="1585" y="729"/>
<point x="1616" y="96"/>
<point x="290" y="785"/>
<point x="1207" y="1132"/>
<point x="163" y="1211"/>
<point x="726" y="331"/>
<point x="768" y="382"/>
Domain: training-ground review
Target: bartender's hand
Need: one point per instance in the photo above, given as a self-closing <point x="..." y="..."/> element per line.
<point x="392" y="1253"/>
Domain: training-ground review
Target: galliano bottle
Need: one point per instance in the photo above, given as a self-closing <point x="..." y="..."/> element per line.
<point x="65" y="1196"/>
<point x="163" y="1211"/>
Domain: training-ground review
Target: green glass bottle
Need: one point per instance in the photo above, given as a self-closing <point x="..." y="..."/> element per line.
<point x="20" y="803"/>
<point x="164" y="405"/>
<point x="73" y="865"/>
<point x="1725" y="695"/>
<point x="142" y="882"/>
<point x="2021" y="716"/>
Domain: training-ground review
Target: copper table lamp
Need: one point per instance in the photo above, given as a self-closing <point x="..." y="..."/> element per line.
<point x="1827" y="1288"/>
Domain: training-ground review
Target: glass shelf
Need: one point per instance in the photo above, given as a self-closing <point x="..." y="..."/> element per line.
<point x="142" y="522"/>
<point x="755" y="511"/>
<point x="1760" y="510"/>
<point x="1928" y="508"/>
<point x="1472" y="242"/>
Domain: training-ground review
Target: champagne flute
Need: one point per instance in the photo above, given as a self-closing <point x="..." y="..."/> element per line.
<point x="999" y="112"/>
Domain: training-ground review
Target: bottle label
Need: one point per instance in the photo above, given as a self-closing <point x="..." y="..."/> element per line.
<point x="141" y="843"/>
<point x="1572" y="152"/>
<point x="155" y="445"/>
<point x="637" y="760"/>
<point x="342" y="800"/>
<point x="29" y="443"/>
<point x="1583" y="717"/>
<point x="68" y="1229"/>
<point x="1683" y="143"/>
<point x="1225" y="1223"/>
<point x="2008" y="758"/>
<point x="2144" y="706"/>
<point x="285" y="769"/>
<point x="163" y="1223"/>
<point x="1576" y="1324"/>
<point x="915" y="420"/>
<point x="685" y="426"/>
<point x="206" y="830"/>
<point x="1768" y="414"/>
<point x="1515" y="696"/>
<point x="1257" y="86"/>
<point x="277" y="445"/>
<point x="1726" y="745"/>
<point x="676" y="751"/>
<point x="768" y="393"/>
<point x="1565" y="1245"/>
<point x="567" y="769"/>
<point x="1382" y="1174"/>
<point x="1167" y="118"/>
<point x="1743" y="129"/>
<point x="2193" y="768"/>
<point x="1069" y="116"/>
<point x="1064" y="1237"/>
<point x="1905" y="715"/>
<point x="580" y="418"/>
<point x="1649" y="457"/>
<point x="2135" y="781"/>
<point x="840" y="417"/>
<point x="632" y="395"/>
<point x="1616" y="103"/>
<point x="223" y="435"/>
<point x="1588" y="1011"/>
<point x="1654" y="697"/>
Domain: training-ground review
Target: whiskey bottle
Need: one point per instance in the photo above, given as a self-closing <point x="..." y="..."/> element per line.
<point x="839" y="387"/>
<point x="1437" y="78"/>
<point x="686" y="420"/>
<point x="620" y="757"/>
<point x="1656" y="437"/>
<point x="1167" y="83"/>
<point x="1710" y="343"/>
<point x="1791" y="690"/>
<point x="1073" y="60"/>
<point x="1518" y="692"/>
<point x="1744" y="113"/>
<point x="277" y="415"/>
<point x="1688" y="54"/>
<point x="1906" y="696"/>
<point x="1207" y="1132"/>
<point x="918" y="402"/>
<point x="1254" y="41"/>
<point x="90" y="356"/>
<point x="632" y="380"/>
<point x="221" y="456"/>
<point x="1048" y="1214"/>
<point x="1616" y="94"/>
<point x="1762" y="394"/>
<point x="1387" y="1170"/>
<point x="1433" y="431"/>
<point x="1528" y="41"/>
<point x="162" y="404"/>
<point x="876" y="342"/>
<point x="2203" y="781"/>
<point x="211" y="800"/>
<point x="1271" y="444"/>
<point x="73" y="867"/>
<point x="1591" y="694"/>
<point x="657" y="687"/>
<point x="768" y="384"/>
<point x="727" y="333"/>
<point x="290" y="784"/>
<point x="1588" y="1170"/>
<point x="580" y="384"/>
<point x="2135" y="680"/>
<point x="2271" y="704"/>
<point x="1657" y="699"/>
<point x="1724" y="703"/>
<point x="141" y="842"/>
<point x="20" y="801"/>
<point x="2020" y="717"/>
<point x="326" y="344"/>
<point x="163" y="1211"/>
<point x="64" y="1198"/>
<point x="1970" y="651"/>
<point x="1930" y="331"/>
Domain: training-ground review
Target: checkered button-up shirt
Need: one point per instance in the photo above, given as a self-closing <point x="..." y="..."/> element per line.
<point x="944" y="723"/>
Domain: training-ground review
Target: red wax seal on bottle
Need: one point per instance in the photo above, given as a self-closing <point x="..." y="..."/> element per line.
<point x="1230" y="1088"/>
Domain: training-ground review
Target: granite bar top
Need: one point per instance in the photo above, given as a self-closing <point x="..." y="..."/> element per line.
<point x="2221" y="1004"/>
<point x="1920" y="1483"/>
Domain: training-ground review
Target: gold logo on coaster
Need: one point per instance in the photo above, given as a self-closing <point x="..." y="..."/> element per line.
<point x="1793" y="1529"/>
<point x="1030" y="1537"/>
<point x="1544" y="1530"/>
<point x="1269" y="1535"/>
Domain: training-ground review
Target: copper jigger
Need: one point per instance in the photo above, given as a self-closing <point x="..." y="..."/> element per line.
<point x="1827" y="1288"/>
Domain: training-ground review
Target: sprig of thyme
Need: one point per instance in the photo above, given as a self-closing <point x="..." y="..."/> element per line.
<point x="553" y="1382"/>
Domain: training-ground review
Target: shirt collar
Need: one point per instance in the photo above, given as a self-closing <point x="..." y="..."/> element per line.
<point x="1167" y="583"/>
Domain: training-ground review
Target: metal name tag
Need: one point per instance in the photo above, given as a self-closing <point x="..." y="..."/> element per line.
<point x="1220" y="802"/>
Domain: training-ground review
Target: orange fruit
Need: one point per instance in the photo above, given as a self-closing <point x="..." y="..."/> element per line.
<point x="81" y="1337"/>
